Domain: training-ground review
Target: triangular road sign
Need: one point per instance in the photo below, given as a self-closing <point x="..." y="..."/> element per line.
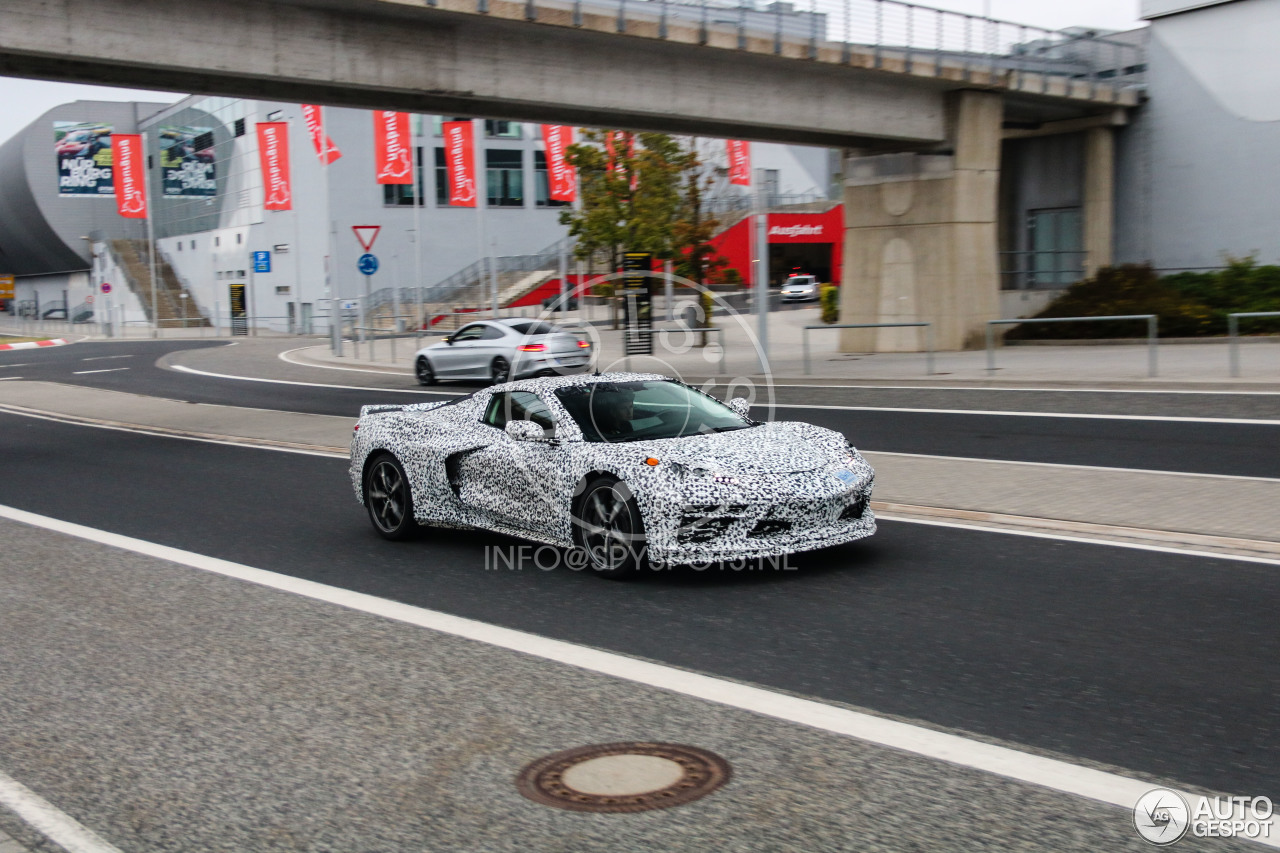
<point x="366" y="234"/>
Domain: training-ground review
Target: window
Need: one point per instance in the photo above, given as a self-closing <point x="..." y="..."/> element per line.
<point x="239" y="127"/>
<point x="1055" y="239"/>
<point x="402" y="195"/>
<point x="504" y="174"/>
<point x="239" y="239"/>
<point x="519" y="406"/>
<point x="437" y="123"/>
<point x="645" y="409"/>
<point x="532" y="327"/>
<point x="469" y="333"/>
<point x="542" y="183"/>
<point x="217" y="241"/>
<point x="179" y="248"/>
<point x="502" y="129"/>
<point x="193" y="245"/>
<point x="442" y="179"/>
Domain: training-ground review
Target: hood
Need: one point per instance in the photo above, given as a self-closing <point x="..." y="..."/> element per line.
<point x="771" y="449"/>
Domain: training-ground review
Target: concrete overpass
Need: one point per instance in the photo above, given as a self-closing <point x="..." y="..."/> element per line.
<point x="707" y="69"/>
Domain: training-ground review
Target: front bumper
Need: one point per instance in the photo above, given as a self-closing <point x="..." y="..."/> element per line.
<point x="750" y="525"/>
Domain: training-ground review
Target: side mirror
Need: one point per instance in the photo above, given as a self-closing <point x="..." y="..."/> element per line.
<point x="742" y="406"/>
<point x="524" y="431"/>
<point x="448" y="339"/>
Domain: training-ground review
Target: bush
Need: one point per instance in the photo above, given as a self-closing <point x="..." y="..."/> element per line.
<point x="1242" y="286"/>
<point x="730" y="276"/>
<point x="829" y="299"/>
<point x="1127" y="289"/>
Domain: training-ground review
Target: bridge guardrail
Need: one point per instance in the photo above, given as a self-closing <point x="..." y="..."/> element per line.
<point x="1233" y="336"/>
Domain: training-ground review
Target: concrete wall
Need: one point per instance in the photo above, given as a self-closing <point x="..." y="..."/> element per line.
<point x="1204" y="147"/>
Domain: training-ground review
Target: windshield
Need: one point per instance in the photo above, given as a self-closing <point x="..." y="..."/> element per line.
<point x="645" y="409"/>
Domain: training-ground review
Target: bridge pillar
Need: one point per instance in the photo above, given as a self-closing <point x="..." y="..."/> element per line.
<point x="1099" y="197"/>
<point x="920" y="237"/>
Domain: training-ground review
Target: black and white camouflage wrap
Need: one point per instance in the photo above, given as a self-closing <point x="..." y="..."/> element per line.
<point x="772" y="489"/>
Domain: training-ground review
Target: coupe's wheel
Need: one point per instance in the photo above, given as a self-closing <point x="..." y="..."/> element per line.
<point x="422" y="369"/>
<point x="608" y="528"/>
<point x="500" y="370"/>
<point x="388" y="499"/>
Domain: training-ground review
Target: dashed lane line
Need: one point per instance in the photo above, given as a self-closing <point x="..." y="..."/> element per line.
<point x="49" y="821"/>
<point x="99" y="370"/>
<point x="1042" y="771"/>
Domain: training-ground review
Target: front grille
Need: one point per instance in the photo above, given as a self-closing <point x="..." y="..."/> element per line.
<point x="770" y="526"/>
<point x="701" y="529"/>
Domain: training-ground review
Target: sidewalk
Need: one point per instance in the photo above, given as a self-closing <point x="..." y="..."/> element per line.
<point x="1195" y="366"/>
<point x="1230" y="515"/>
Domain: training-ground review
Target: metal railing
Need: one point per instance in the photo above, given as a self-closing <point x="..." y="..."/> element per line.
<point x="1233" y="336"/>
<point x="684" y="330"/>
<point x="1151" y="334"/>
<point x="882" y="34"/>
<point x="1041" y="269"/>
<point x="928" y="337"/>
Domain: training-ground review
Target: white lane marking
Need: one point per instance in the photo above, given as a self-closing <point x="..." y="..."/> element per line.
<point x="42" y="816"/>
<point x="6" y="378"/>
<point x="99" y="370"/>
<point x="1099" y="417"/>
<point x="20" y="364"/>
<point x="1066" y="537"/>
<point x="105" y="357"/>
<point x="186" y="369"/>
<point x="141" y="430"/>
<point x="1052" y="390"/>
<point x="1051" y="773"/>
<point x="1073" y="467"/>
<point x="287" y="352"/>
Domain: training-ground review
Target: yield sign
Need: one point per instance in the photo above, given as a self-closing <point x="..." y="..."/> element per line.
<point x="366" y="234"/>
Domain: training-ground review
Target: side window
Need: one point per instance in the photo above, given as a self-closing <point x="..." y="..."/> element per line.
<point x="526" y="406"/>
<point x="470" y="333"/>
<point x="518" y="406"/>
<point x="492" y="333"/>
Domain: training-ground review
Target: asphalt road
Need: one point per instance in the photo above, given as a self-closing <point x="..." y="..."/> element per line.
<point x="1195" y="447"/>
<point x="1159" y="663"/>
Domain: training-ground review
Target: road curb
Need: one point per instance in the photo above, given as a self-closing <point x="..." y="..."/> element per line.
<point x="52" y="342"/>
<point x="1225" y="545"/>
<point x="147" y="429"/>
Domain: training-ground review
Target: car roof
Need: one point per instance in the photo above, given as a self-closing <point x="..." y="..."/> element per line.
<point x="554" y="383"/>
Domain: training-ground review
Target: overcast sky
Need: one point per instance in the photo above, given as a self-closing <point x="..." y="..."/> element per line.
<point x="25" y="100"/>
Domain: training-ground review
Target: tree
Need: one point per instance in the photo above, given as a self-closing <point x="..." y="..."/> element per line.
<point x="698" y="259"/>
<point x="630" y="187"/>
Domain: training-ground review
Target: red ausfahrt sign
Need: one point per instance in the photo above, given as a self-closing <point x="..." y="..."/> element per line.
<point x="366" y="234"/>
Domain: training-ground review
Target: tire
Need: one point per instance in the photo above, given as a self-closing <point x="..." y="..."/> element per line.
<point x="500" y="371"/>
<point x="389" y="499"/>
<point x="422" y="370"/>
<point x="608" y="528"/>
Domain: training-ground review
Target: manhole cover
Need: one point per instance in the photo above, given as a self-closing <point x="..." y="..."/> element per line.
<point x="623" y="777"/>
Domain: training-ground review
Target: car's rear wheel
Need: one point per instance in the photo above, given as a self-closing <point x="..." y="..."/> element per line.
<point x="500" y="370"/>
<point x="607" y="526"/>
<point x="388" y="498"/>
<point x="422" y="369"/>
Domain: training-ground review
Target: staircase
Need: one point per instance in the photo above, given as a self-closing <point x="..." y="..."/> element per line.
<point x="170" y="310"/>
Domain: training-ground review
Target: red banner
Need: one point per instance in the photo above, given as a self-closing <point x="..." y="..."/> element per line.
<point x="392" y="147"/>
<point x="325" y="149"/>
<point x="129" y="162"/>
<point x="739" y="162"/>
<point x="273" y="154"/>
<point x="460" y="157"/>
<point x="561" y="179"/>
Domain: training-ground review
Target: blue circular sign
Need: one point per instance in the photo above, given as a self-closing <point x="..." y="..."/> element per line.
<point x="368" y="264"/>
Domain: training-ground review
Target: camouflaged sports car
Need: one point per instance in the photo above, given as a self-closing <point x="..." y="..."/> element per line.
<point x="626" y="469"/>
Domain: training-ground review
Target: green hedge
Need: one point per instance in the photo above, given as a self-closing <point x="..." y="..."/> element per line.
<point x="1189" y="304"/>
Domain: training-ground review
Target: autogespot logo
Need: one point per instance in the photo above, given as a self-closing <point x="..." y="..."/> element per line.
<point x="1161" y="816"/>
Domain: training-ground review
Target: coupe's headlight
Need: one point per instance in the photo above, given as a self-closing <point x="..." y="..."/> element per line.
<point x="692" y="471"/>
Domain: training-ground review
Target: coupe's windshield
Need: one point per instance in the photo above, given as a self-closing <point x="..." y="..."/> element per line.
<point x="645" y="409"/>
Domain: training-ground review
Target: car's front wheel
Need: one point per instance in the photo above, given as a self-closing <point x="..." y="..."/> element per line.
<point x="607" y="526"/>
<point x="388" y="498"/>
<point x="422" y="370"/>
